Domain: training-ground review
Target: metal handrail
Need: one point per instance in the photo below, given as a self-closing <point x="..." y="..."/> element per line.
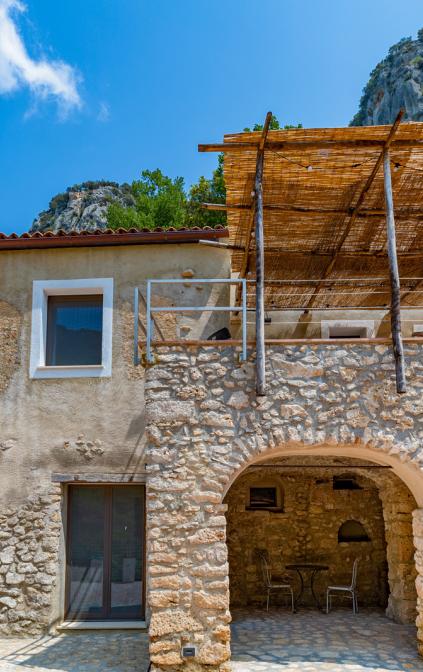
<point x="167" y="309"/>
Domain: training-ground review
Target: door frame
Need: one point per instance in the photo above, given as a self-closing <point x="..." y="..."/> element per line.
<point x="85" y="616"/>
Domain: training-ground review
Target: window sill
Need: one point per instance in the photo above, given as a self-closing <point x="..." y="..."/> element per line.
<point x="272" y="509"/>
<point x="85" y="371"/>
<point x="101" y="625"/>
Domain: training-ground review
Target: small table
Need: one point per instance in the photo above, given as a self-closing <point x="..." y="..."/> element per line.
<point x="313" y="568"/>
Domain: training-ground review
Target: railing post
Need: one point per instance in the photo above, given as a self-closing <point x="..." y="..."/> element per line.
<point x="136" y="321"/>
<point x="244" y="319"/>
<point x="148" y="318"/>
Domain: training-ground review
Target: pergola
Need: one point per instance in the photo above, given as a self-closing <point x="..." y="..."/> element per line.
<point x="312" y="220"/>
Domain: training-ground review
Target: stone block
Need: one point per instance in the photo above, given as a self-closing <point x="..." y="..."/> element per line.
<point x="172" y="622"/>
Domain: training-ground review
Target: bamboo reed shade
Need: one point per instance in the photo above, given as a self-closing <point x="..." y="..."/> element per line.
<point x="309" y="193"/>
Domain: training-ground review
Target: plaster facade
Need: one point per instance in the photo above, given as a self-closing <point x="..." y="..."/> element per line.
<point x="84" y="428"/>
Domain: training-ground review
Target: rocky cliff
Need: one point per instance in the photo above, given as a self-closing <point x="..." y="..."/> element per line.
<point x="396" y="82"/>
<point x="82" y="207"/>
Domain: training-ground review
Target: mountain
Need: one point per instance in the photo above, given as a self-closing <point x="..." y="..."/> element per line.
<point x="396" y="82"/>
<point x="82" y="207"/>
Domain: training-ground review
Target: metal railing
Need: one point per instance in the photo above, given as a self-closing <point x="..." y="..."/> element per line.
<point x="150" y="309"/>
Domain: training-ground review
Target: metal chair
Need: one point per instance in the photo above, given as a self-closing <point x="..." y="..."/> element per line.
<point x="344" y="591"/>
<point x="273" y="585"/>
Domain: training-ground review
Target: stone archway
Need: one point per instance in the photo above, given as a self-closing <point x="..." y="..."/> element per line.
<point x="205" y="426"/>
<point x="306" y="529"/>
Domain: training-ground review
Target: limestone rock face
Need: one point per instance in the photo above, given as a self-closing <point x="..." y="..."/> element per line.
<point x="395" y="83"/>
<point x="82" y="207"/>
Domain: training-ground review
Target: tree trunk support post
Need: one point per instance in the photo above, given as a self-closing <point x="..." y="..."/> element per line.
<point x="259" y="235"/>
<point x="394" y="277"/>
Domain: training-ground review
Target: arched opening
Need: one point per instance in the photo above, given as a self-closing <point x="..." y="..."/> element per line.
<point x="352" y="531"/>
<point x="335" y="509"/>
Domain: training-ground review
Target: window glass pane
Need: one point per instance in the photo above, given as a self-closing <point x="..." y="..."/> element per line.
<point x="74" y="330"/>
<point x="86" y="551"/>
<point x="126" y="564"/>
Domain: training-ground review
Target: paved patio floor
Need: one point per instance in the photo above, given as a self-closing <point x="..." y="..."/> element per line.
<point x="276" y="642"/>
<point x="311" y="641"/>
<point x="76" y="652"/>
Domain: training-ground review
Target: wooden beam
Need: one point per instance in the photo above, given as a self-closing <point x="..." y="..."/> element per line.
<point x="378" y="254"/>
<point x="358" y="203"/>
<point x="237" y="342"/>
<point x="258" y="222"/>
<point x="394" y="276"/>
<point x="300" y="145"/>
<point x="311" y="211"/>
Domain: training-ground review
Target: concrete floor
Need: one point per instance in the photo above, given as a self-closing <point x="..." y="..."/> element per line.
<point x="276" y="642"/>
<point x="311" y="641"/>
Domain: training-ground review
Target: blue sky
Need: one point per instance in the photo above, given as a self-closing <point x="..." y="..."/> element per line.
<point x="101" y="89"/>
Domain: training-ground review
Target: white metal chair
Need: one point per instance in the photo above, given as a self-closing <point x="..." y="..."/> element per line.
<point x="344" y="591"/>
<point x="273" y="585"/>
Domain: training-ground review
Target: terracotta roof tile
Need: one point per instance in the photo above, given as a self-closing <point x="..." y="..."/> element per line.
<point x="105" y="237"/>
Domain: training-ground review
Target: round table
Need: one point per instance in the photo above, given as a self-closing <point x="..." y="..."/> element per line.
<point x="312" y="567"/>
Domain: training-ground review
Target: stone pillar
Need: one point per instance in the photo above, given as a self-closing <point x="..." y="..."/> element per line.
<point x="188" y="587"/>
<point x="187" y="566"/>
<point x="397" y="509"/>
<point x="418" y="544"/>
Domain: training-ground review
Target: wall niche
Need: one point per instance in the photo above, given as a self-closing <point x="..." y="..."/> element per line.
<point x="352" y="531"/>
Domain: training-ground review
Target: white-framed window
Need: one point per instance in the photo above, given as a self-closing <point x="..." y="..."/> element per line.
<point x="71" y="331"/>
<point x="347" y="329"/>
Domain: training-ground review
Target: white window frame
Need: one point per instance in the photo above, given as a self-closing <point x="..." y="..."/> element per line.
<point x="41" y="290"/>
<point x="334" y="328"/>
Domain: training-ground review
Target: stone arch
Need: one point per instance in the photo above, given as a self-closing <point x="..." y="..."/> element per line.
<point x="407" y="472"/>
<point x="402" y="514"/>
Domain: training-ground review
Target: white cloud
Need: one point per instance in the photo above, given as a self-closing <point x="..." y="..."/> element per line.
<point x="103" y="112"/>
<point x="45" y="78"/>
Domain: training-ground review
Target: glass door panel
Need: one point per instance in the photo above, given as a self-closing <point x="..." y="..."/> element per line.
<point x="126" y="561"/>
<point x="86" y="553"/>
<point x="105" y="566"/>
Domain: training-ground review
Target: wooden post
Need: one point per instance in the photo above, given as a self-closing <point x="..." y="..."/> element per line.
<point x="258" y="221"/>
<point x="394" y="276"/>
<point x="260" y="352"/>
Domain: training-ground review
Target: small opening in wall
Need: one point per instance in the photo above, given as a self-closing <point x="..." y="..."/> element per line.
<point x="264" y="498"/>
<point x="345" y="483"/>
<point x="352" y="531"/>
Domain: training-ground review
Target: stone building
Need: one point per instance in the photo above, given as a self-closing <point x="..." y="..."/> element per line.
<point x="144" y="472"/>
<point x="72" y="418"/>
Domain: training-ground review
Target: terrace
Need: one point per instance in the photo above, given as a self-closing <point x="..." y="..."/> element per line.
<point x="326" y="242"/>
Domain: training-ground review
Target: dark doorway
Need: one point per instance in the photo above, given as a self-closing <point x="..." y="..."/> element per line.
<point x="105" y="553"/>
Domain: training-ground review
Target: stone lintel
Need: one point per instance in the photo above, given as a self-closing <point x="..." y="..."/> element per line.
<point x="138" y="477"/>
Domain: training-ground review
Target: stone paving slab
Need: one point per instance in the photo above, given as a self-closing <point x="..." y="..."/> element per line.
<point x="76" y="652"/>
<point x="311" y="641"/>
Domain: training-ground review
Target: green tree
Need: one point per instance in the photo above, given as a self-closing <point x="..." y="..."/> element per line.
<point x="208" y="191"/>
<point x="163" y="202"/>
<point x="159" y="202"/>
<point x="273" y="126"/>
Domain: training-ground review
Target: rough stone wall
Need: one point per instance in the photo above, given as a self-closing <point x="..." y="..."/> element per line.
<point x="205" y="425"/>
<point x="418" y="543"/>
<point x="306" y="531"/>
<point x="29" y="545"/>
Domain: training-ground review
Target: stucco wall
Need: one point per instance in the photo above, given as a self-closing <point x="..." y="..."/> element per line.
<point x="205" y="426"/>
<point x="75" y="426"/>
